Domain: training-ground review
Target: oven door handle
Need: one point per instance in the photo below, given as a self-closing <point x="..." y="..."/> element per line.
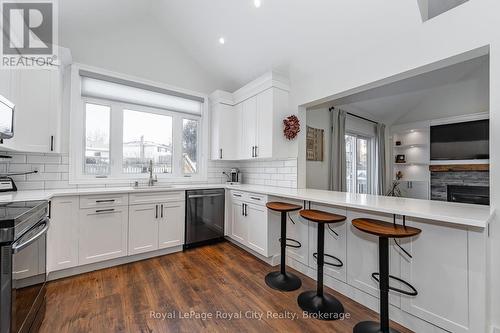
<point x="19" y="245"/>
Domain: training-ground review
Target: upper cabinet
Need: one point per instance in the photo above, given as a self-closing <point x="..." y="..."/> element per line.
<point x="248" y="123"/>
<point x="38" y="98"/>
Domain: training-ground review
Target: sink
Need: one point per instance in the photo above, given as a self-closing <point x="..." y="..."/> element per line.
<point x="146" y="187"/>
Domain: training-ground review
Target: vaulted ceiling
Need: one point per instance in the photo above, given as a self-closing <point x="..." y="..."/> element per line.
<point x="282" y="34"/>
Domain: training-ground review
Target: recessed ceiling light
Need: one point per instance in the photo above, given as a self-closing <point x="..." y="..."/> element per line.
<point x="257" y="3"/>
<point x="222" y="40"/>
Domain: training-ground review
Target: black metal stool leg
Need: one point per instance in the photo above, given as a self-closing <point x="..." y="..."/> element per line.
<point x="317" y="302"/>
<point x="282" y="280"/>
<point x="383" y="326"/>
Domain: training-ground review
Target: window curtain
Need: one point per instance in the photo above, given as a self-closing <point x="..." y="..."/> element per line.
<point x="380" y="159"/>
<point x="338" y="176"/>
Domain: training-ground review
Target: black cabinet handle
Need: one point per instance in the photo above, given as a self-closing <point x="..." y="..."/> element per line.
<point x="220" y="153"/>
<point x="107" y="200"/>
<point x="105" y="210"/>
<point x="156" y="211"/>
<point x="255" y="198"/>
<point x="256" y="154"/>
<point x="161" y="211"/>
<point x="243" y="209"/>
<point x="51" y="143"/>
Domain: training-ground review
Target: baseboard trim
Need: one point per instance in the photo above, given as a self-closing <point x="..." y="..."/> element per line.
<point x="110" y="263"/>
<point x="273" y="260"/>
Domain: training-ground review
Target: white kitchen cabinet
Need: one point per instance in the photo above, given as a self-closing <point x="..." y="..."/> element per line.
<point x="171" y="224"/>
<point x="225" y="134"/>
<point x="256" y="217"/>
<point x="257" y="125"/>
<point x="251" y="223"/>
<point x="102" y="234"/>
<point x="249" y="128"/>
<point x="335" y="243"/>
<point x="62" y="236"/>
<point x="156" y="221"/>
<point x="265" y="122"/>
<point x="37" y="97"/>
<point x="143" y="228"/>
<point x="6" y="83"/>
<point x="362" y="257"/>
<point x="239" y="226"/>
<point x="449" y="283"/>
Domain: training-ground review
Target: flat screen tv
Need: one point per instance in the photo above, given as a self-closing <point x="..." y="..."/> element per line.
<point x="461" y="141"/>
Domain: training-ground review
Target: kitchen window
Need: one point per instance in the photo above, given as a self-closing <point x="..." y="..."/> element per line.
<point x="359" y="164"/>
<point x="125" y="127"/>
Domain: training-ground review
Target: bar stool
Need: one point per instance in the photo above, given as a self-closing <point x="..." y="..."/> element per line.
<point x="384" y="231"/>
<point x="283" y="280"/>
<point x="316" y="301"/>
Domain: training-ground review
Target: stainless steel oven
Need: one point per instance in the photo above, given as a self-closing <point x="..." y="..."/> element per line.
<point x="23" y="246"/>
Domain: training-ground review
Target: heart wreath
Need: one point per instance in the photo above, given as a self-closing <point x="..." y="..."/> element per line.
<point x="292" y="127"/>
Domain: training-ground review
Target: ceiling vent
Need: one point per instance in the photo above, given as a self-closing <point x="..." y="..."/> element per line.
<point x="433" y="8"/>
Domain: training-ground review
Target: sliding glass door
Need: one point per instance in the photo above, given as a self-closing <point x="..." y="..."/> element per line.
<point x="358" y="163"/>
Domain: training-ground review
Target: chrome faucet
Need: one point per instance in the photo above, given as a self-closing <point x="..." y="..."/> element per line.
<point x="151" y="180"/>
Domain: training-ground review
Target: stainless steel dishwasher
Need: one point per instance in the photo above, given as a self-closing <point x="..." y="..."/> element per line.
<point x="204" y="217"/>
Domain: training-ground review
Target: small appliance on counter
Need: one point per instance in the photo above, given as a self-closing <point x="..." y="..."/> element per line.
<point x="23" y="246"/>
<point x="234" y="177"/>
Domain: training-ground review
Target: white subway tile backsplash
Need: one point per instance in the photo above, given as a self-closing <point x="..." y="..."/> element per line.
<point x="43" y="176"/>
<point x="53" y="171"/>
<point x="57" y="168"/>
<point x="30" y="186"/>
<point x="44" y="159"/>
<point x="15" y="158"/>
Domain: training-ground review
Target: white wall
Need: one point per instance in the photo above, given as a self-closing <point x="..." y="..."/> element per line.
<point x="318" y="171"/>
<point x="460" y="98"/>
<point x="407" y="45"/>
<point x="135" y="48"/>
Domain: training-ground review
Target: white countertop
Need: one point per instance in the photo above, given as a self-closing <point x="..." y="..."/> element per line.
<point x="455" y="213"/>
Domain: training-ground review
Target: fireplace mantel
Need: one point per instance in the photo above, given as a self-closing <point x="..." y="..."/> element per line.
<point x="459" y="167"/>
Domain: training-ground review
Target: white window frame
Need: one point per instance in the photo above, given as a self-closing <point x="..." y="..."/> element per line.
<point x="371" y="174"/>
<point x="77" y="134"/>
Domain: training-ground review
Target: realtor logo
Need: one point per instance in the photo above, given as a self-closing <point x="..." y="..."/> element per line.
<point x="29" y="33"/>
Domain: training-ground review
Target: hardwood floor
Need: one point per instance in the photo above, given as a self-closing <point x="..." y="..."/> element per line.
<point x="219" y="277"/>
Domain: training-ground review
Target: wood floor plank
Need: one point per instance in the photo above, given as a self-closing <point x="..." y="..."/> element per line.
<point x="214" y="279"/>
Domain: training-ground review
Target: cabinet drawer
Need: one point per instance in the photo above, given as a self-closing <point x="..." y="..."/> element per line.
<point x="154" y="197"/>
<point x="103" y="200"/>
<point x="237" y="195"/>
<point x="256" y="199"/>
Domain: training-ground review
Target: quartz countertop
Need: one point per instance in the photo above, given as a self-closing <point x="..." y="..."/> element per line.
<point x="454" y="213"/>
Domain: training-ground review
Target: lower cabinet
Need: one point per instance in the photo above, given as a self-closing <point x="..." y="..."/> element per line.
<point x="102" y="234"/>
<point x="143" y="228"/>
<point x="171" y="224"/>
<point x="156" y="225"/>
<point x="362" y="257"/>
<point x="62" y="236"/>
<point x="249" y="222"/>
<point x="239" y="226"/>
<point x="257" y="232"/>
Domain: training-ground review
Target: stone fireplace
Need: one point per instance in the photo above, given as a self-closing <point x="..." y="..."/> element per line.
<point x="460" y="184"/>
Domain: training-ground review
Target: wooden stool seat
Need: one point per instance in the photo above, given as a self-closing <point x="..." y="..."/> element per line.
<point x="282" y="206"/>
<point x="319" y="216"/>
<point x="384" y="229"/>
